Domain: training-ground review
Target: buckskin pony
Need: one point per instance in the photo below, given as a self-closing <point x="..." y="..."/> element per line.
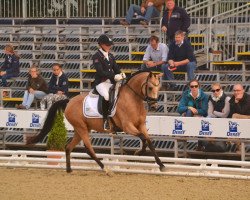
<point x="130" y="116"/>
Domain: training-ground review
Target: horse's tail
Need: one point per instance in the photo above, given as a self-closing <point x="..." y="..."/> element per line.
<point x="49" y="121"/>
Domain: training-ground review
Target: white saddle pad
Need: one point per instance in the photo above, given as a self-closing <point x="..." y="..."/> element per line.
<point x="90" y="107"/>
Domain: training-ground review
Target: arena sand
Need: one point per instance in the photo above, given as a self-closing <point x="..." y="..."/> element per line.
<point x="39" y="184"/>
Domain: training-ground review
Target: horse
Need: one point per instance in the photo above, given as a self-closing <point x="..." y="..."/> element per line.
<point x="130" y="116"/>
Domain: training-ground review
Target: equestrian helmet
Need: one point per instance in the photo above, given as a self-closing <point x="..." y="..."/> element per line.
<point x="104" y="39"/>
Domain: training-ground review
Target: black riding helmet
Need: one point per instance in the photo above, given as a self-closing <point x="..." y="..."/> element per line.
<point x="104" y="39"/>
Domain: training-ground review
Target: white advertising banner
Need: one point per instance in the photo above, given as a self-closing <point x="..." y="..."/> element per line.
<point x="198" y="127"/>
<point x="156" y="125"/>
<point x="33" y="119"/>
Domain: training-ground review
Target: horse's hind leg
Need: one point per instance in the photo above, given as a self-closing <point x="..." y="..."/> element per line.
<point x="83" y="133"/>
<point x="76" y="139"/>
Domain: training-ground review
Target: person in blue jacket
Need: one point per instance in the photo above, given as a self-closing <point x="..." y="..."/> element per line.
<point x="194" y="102"/>
<point x="10" y="67"/>
<point x="58" y="87"/>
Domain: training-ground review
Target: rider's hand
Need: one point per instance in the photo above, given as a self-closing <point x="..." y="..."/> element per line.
<point x="123" y="75"/>
<point x="118" y="77"/>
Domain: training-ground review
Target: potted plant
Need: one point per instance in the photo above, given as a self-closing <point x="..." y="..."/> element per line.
<point x="57" y="137"/>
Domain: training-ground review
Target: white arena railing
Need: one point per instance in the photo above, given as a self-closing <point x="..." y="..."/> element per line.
<point x="128" y="164"/>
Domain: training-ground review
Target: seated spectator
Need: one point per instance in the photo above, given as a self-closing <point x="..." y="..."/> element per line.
<point x="180" y="57"/>
<point x="155" y="57"/>
<point x="58" y="87"/>
<point x="194" y="102"/>
<point x="218" y="107"/>
<point x="147" y="10"/>
<point x="218" y="103"/>
<point x="36" y="88"/>
<point x="239" y="103"/>
<point x="174" y="19"/>
<point x="10" y="67"/>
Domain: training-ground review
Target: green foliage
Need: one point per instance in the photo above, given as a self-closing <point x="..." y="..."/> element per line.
<point x="57" y="136"/>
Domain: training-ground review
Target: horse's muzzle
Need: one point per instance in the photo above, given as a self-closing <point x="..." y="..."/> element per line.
<point x="152" y="106"/>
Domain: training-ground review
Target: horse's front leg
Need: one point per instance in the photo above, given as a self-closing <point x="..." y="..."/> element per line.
<point x="143" y="135"/>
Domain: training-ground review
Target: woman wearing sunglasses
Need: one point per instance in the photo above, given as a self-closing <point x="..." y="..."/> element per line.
<point x="218" y="107"/>
<point x="218" y="102"/>
<point x="194" y="102"/>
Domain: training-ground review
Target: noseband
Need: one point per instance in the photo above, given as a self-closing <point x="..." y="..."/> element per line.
<point x="145" y="96"/>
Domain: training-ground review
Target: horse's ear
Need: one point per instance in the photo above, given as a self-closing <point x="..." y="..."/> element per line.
<point x="159" y="75"/>
<point x="150" y="74"/>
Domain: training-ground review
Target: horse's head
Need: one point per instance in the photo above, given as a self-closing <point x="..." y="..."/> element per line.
<point x="150" y="90"/>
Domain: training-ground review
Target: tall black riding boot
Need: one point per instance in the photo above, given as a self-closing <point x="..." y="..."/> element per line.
<point x="105" y="110"/>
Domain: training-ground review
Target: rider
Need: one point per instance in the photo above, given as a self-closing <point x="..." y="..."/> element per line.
<point x="107" y="73"/>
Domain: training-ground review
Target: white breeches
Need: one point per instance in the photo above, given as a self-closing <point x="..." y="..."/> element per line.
<point x="103" y="89"/>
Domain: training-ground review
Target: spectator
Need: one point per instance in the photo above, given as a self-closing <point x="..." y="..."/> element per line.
<point x="147" y="10"/>
<point x="218" y="103"/>
<point x="107" y="73"/>
<point x="155" y="57"/>
<point x="218" y="107"/>
<point x="194" y="102"/>
<point x="36" y="88"/>
<point x="58" y="87"/>
<point x="180" y="57"/>
<point x="239" y="103"/>
<point x="10" y="67"/>
<point x="174" y="19"/>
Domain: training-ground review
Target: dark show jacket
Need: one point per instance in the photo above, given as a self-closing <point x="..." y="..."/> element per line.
<point x="105" y="69"/>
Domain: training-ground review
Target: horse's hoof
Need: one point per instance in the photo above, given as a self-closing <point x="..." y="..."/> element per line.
<point x="69" y="170"/>
<point x="108" y="171"/>
<point x="138" y="153"/>
<point x="163" y="169"/>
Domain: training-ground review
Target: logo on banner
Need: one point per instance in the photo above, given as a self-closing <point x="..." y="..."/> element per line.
<point x="205" y="130"/>
<point x="35" y="121"/>
<point x="11" y="119"/>
<point x="178" y="127"/>
<point x="233" y="129"/>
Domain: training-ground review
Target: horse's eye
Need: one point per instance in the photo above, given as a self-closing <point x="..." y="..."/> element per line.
<point x="150" y="88"/>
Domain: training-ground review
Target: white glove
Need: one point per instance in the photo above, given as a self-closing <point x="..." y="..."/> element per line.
<point x="118" y="77"/>
<point x="123" y="75"/>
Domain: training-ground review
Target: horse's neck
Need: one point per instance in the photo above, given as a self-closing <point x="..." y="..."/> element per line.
<point x="131" y="93"/>
<point x="136" y="83"/>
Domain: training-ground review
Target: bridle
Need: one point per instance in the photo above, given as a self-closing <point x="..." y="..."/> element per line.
<point x="145" y="96"/>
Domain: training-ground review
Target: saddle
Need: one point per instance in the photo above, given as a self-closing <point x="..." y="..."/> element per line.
<point x="92" y="104"/>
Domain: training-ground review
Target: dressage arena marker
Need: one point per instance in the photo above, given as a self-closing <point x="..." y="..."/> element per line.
<point x="129" y="164"/>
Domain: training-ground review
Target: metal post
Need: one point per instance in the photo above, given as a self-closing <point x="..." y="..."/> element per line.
<point x="24" y="8"/>
<point x="113" y="8"/>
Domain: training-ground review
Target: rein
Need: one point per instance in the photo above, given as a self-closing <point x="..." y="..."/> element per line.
<point x="145" y="97"/>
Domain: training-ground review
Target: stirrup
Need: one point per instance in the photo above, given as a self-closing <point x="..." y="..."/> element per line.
<point x="106" y="125"/>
